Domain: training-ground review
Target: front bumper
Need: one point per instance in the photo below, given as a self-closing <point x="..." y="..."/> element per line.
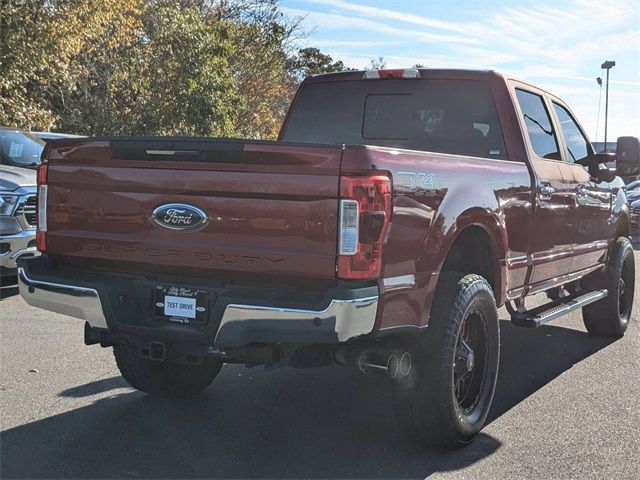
<point x="344" y="314"/>
<point x="15" y="246"/>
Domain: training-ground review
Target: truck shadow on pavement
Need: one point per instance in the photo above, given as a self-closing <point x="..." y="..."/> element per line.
<point x="322" y="423"/>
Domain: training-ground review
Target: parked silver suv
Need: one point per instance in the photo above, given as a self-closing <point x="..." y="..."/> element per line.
<point x="17" y="216"/>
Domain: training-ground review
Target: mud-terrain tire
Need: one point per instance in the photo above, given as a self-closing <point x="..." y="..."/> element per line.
<point x="446" y="397"/>
<point x="164" y="379"/>
<point x="610" y="316"/>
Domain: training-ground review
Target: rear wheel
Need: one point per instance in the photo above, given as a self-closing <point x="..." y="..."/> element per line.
<point x="446" y="397"/>
<point x="610" y="316"/>
<point x="164" y="379"/>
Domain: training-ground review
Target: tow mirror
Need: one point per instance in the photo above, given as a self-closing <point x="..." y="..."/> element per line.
<point x="597" y="165"/>
<point x="628" y="158"/>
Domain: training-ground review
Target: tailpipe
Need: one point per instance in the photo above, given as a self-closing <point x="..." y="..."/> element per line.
<point x="388" y="363"/>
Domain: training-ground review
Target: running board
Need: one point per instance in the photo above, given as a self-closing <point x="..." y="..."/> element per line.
<point x="545" y="313"/>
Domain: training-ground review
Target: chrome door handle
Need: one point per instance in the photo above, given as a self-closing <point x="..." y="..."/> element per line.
<point x="546" y="190"/>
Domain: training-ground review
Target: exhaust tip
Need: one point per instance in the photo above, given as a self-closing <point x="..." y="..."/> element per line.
<point x="393" y="365"/>
<point x="405" y="364"/>
<point x="379" y="363"/>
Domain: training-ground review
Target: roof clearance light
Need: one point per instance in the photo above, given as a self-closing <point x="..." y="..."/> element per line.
<point x="392" y="73"/>
<point x="371" y="74"/>
<point x="411" y="73"/>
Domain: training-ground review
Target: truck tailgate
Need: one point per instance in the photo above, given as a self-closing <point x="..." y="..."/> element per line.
<point x="271" y="206"/>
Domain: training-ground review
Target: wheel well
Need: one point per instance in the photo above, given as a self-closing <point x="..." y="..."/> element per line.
<point x="622" y="230"/>
<point x="472" y="252"/>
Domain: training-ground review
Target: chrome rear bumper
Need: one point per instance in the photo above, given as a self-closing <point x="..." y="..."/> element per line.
<point x="350" y="314"/>
<point x="72" y="300"/>
<point x="343" y="319"/>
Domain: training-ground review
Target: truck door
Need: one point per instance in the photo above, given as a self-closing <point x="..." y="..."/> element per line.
<point x="555" y="217"/>
<point x="593" y="196"/>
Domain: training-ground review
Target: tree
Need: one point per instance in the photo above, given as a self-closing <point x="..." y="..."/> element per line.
<point x="165" y="67"/>
<point x="311" y="61"/>
<point x="189" y="84"/>
<point x="265" y="42"/>
<point x="101" y="57"/>
<point x="27" y="64"/>
<point x="376" y="64"/>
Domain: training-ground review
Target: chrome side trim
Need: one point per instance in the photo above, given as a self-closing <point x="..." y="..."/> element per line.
<point x="540" y="258"/>
<point x="352" y="317"/>
<point x="562" y="279"/>
<point x="518" y="262"/>
<point x="404" y="327"/>
<point x="72" y="300"/>
<point x="515" y="293"/>
<point x="399" y="283"/>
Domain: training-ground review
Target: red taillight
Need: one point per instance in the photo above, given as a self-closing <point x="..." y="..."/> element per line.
<point x="42" y="174"/>
<point x="41" y="233"/>
<point x="41" y="240"/>
<point x="365" y="212"/>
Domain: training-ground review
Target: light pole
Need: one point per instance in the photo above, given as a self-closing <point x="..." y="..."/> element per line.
<point x="607" y="65"/>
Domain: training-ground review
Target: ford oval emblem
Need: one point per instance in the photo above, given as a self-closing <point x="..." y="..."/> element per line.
<point x="180" y="216"/>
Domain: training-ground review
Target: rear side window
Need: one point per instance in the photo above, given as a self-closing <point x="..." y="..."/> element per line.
<point x="543" y="138"/>
<point x="446" y="116"/>
<point x="577" y="145"/>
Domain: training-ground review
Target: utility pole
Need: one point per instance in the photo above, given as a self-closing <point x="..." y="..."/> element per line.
<point x="607" y="65"/>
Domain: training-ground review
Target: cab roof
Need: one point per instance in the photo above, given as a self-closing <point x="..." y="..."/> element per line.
<point x="423" y="72"/>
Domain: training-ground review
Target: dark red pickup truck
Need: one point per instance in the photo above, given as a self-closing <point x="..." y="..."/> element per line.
<point x="396" y="212"/>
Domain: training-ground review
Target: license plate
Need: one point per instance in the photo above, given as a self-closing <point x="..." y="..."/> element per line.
<point x="179" y="307"/>
<point x="181" y="304"/>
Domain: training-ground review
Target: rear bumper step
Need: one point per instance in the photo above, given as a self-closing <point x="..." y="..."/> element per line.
<point x="545" y="313"/>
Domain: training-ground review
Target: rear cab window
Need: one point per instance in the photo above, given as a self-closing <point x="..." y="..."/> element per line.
<point x="445" y="116"/>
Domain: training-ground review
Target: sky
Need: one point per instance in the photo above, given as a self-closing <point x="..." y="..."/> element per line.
<point x="558" y="45"/>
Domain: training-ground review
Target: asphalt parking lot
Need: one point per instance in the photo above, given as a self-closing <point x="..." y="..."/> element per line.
<point x="566" y="407"/>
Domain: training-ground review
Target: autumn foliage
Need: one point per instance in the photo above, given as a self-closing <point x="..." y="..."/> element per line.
<point x="151" y="67"/>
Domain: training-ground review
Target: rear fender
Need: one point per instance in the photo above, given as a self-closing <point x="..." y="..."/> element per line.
<point x="406" y="303"/>
<point x="446" y="230"/>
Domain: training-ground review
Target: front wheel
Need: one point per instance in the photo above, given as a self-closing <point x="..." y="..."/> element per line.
<point x="164" y="379"/>
<point x="446" y="398"/>
<point x="610" y="316"/>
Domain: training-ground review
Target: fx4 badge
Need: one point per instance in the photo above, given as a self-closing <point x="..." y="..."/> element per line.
<point x="415" y="182"/>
